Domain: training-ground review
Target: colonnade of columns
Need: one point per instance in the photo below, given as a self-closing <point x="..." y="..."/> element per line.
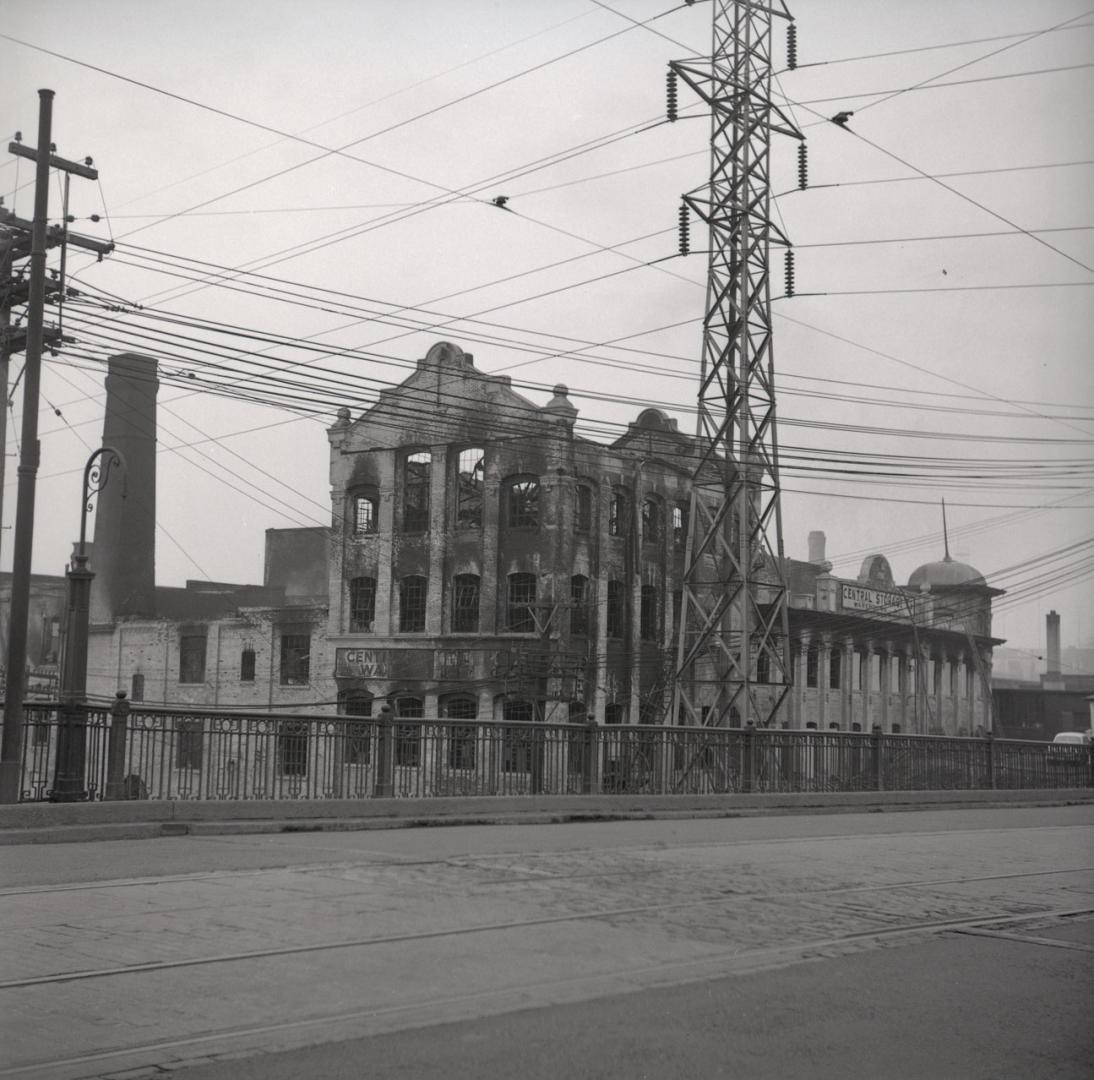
<point x="850" y="685"/>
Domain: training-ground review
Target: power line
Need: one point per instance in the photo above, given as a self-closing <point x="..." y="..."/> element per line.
<point x="943" y="86"/>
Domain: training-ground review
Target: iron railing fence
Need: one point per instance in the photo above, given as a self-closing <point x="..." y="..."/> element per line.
<point x="170" y="753"/>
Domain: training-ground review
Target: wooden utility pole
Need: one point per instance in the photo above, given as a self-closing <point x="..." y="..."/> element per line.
<point x="11" y="741"/>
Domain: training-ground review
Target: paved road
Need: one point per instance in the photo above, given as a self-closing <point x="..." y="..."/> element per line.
<point x="935" y="944"/>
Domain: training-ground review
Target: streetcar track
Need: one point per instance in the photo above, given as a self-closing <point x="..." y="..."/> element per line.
<point x="518" y="924"/>
<point x="384" y="860"/>
<point x="746" y="961"/>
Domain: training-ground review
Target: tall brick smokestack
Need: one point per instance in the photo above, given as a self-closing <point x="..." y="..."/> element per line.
<point x="1052" y="643"/>
<point x="123" y="554"/>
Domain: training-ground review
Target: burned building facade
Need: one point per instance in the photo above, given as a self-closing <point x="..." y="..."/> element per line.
<point x="489" y="563"/>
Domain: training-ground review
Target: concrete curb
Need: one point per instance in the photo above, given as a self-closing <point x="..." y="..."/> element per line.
<point x="38" y="823"/>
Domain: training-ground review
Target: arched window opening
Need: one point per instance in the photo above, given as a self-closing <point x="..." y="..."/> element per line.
<point x="247" y="665"/>
<point x="365" y="506"/>
<point x="679" y="525"/>
<point x="763" y="666"/>
<point x="408" y="737"/>
<point x="518" y="743"/>
<point x="617" y="513"/>
<point x="416" y="483"/>
<point x="522" y="502"/>
<point x="835" y="669"/>
<point x="521" y="604"/>
<point x="649" y="623"/>
<point x="358" y="736"/>
<point x="469" y="487"/>
<point x="812" y="662"/>
<point x="615" y="615"/>
<point x="652" y="526"/>
<point x="583" y="508"/>
<point x="579" y="605"/>
<point x="613" y="713"/>
<point x="465" y="604"/>
<point x="412" y="597"/>
<point x="362" y="605"/>
<point x="461" y="737"/>
<point x="136" y="687"/>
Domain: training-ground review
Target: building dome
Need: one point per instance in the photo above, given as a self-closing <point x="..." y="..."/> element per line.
<point x="946" y="573"/>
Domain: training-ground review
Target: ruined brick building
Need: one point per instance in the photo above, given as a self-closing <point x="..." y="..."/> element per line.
<point x="484" y="561"/>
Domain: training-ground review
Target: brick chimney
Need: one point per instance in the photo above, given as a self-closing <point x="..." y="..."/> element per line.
<point x="1052" y="679"/>
<point x="123" y="553"/>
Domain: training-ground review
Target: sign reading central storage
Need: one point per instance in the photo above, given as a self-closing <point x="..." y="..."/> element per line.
<point x="383" y="663"/>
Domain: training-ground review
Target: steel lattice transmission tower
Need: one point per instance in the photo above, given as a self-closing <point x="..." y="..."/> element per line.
<point x="733" y="653"/>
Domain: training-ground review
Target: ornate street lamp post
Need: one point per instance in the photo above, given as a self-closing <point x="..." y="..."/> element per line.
<point x="69" y="781"/>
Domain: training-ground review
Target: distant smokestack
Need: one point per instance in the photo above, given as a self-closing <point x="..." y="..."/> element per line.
<point x="816" y="547"/>
<point x="1052" y="644"/>
<point x="123" y="554"/>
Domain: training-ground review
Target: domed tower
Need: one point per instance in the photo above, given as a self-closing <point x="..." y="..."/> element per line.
<point x="962" y="595"/>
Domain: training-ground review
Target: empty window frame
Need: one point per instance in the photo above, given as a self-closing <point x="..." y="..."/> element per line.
<point x="522" y="502"/>
<point x="188" y="744"/>
<point x="412" y="597"/>
<point x="469" y="485"/>
<point x="357" y="749"/>
<point x="649" y="622"/>
<point x="835" y="669"/>
<point x="652" y="521"/>
<point x="136" y="687"/>
<point x="617" y="512"/>
<point x="408" y="737"/>
<point x="295" y="659"/>
<point x="362" y="605"/>
<point x="583" y="508"/>
<point x="616" y="609"/>
<point x="812" y="662"/>
<point x="679" y="525"/>
<point x="518" y="742"/>
<point x="416" y="485"/>
<point x="192" y="658"/>
<point x="461" y="737"/>
<point x="579" y="605"/>
<point x="364" y="509"/>
<point x="247" y="665"/>
<point x="292" y="748"/>
<point x="521" y="604"/>
<point x="465" y="604"/>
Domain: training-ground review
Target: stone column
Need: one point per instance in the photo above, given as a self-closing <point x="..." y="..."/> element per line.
<point x="824" y="678"/>
<point x="938" y="690"/>
<point x="800" y="651"/>
<point x="847" y="675"/>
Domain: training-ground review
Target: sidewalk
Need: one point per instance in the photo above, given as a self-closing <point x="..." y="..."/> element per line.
<point x="38" y="823"/>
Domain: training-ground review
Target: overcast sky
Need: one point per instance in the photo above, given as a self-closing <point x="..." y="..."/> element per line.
<point x="961" y="363"/>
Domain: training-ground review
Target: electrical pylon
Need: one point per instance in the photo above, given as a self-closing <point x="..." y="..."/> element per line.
<point x="733" y="664"/>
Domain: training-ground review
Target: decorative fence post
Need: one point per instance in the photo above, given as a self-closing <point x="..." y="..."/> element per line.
<point x="876" y="756"/>
<point x="590" y="780"/>
<point x="115" y="747"/>
<point x="385" y="755"/>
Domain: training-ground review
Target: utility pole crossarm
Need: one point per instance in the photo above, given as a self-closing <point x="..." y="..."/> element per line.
<point x="62" y="164"/>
